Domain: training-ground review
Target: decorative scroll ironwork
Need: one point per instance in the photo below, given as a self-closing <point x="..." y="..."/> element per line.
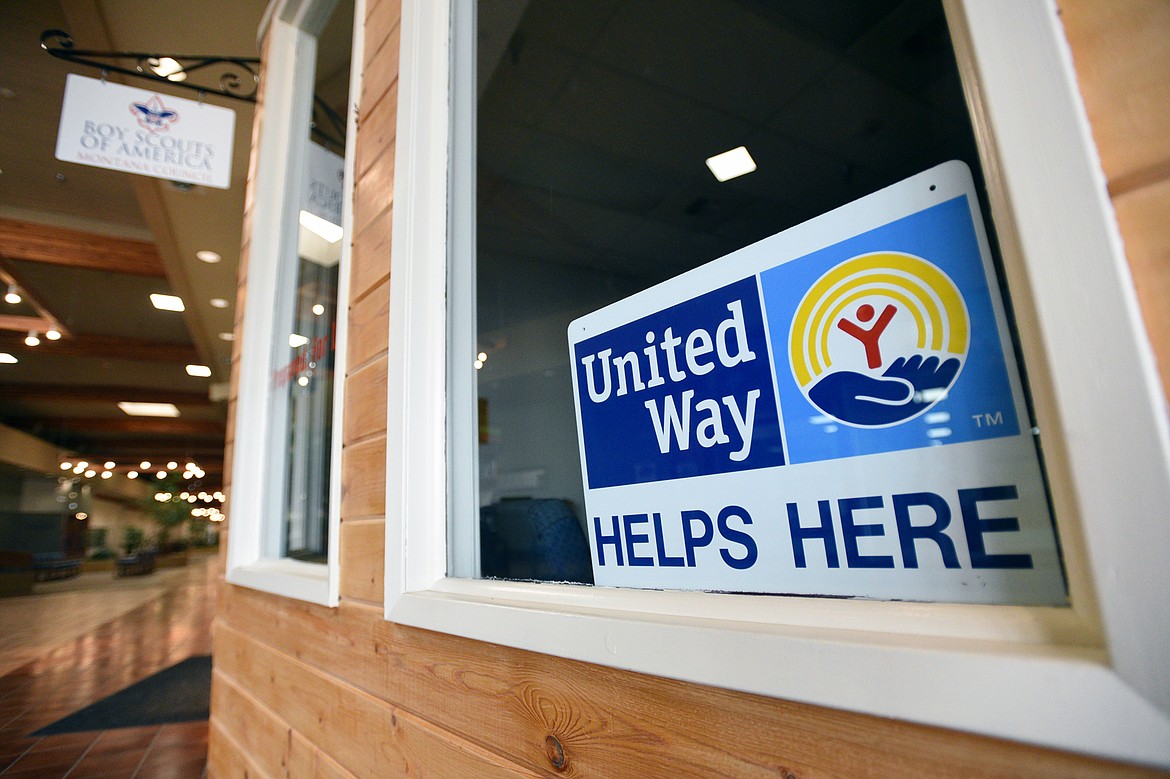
<point x="239" y="79"/>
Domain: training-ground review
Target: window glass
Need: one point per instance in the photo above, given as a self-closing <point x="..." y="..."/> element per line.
<point x="302" y="382"/>
<point x="594" y="122"/>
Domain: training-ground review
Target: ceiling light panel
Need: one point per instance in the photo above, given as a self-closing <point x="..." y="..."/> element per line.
<point x="166" y="302"/>
<point x="149" y="409"/>
<point x="731" y="164"/>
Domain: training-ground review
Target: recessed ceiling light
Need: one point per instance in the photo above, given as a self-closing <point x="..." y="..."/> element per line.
<point x="732" y="163"/>
<point x="201" y="371"/>
<point x="109" y="464"/>
<point x="53" y="334"/>
<point x="13" y="295"/>
<point x="106" y="474"/>
<point x="132" y="475"/>
<point x="318" y="309"/>
<point x="208" y="256"/>
<point x="227" y="336"/>
<point x="219" y="303"/>
<point x="322" y="227"/>
<point x="32" y="339"/>
<point x="7" y="359"/>
<point x="149" y="409"/>
<point x="166" y="302"/>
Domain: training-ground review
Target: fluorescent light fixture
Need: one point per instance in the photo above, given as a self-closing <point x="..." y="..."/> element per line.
<point x="201" y="371"/>
<point x="166" y="302"/>
<point x="732" y="163"/>
<point x="295" y="340"/>
<point x="7" y="359"/>
<point x="169" y="68"/>
<point x="149" y="409"/>
<point x="208" y="256"/>
<point x="322" y="227"/>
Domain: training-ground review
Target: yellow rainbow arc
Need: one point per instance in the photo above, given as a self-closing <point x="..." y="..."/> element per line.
<point x="921" y="288"/>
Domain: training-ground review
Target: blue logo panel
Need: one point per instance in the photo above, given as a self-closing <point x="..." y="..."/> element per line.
<point x="686" y="391"/>
<point x="888" y="341"/>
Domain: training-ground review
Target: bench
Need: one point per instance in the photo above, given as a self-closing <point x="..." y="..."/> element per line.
<point x="137" y="564"/>
<point x="48" y="566"/>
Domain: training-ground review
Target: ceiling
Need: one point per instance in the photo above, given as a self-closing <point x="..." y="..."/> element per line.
<point x="87" y="246"/>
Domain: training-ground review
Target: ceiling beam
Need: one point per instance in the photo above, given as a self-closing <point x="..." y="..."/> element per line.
<point x="109" y="347"/>
<point x="102" y="393"/>
<point x="76" y="249"/>
<point x="136" y="425"/>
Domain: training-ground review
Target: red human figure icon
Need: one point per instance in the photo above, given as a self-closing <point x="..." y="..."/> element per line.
<point x="869" y="338"/>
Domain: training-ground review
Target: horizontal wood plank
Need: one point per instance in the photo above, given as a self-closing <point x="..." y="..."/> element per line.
<point x="363" y="559"/>
<point x="374" y="191"/>
<point x="226" y="759"/>
<point x="369" y="327"/>
<point x="380" y="66"/>
<point x="365" y="402"/>
<point x="370" y="261"/>
<point x="377" y="132"/>
<point x="617" y="723"/>
<point x="365" y="735"/>
<point x="1121" y="50"/>
<point x="363" y="486"/>
<point x="266" y="739"/>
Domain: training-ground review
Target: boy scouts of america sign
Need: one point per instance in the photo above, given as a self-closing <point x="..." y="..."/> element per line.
<point x="133" y="130"/>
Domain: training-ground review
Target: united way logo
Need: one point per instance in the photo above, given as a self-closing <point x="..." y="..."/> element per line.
<point x="879" y="339"/>
<point x="153" y="115"/>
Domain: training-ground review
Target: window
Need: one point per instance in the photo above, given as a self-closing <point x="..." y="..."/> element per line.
<point x="285" y="479"/>
<point x="1057" y="668"/>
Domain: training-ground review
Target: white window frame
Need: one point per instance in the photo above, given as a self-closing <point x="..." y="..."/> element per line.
<point x="1088" y="678"/>
<point x="254" y="526"/>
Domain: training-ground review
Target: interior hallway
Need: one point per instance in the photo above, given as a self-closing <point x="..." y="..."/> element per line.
<point x="80" y="640"/>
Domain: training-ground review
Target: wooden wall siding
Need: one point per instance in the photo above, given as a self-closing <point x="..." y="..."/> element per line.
<point x="609" y="723"/>
<point x="1121" y="50"/>
<point x="304" y="690"/>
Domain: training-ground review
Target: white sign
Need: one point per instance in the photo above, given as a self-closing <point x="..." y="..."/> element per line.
<point x="117" y="127"/>
<point x="835" y="410"/>
<point x="326" y="180"/>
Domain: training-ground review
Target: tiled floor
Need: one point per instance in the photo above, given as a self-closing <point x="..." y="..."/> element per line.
<point x="173" y="623"/>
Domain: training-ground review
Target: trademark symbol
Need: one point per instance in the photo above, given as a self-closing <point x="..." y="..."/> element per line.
<point x="988" y="420"/>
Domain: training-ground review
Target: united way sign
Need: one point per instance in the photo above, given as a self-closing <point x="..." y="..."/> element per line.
<point x="117" y="127"/>
<point x="835" y="410"/>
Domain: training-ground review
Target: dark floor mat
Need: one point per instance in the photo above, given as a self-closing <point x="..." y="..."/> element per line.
<point x="177" y="694"/>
